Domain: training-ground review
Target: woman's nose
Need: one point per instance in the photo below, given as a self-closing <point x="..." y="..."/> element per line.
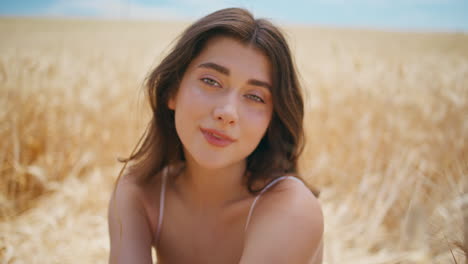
<point x="226" y="111"/>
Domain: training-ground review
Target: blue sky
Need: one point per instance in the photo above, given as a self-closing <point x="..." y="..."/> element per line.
<point x="426" y="15"/>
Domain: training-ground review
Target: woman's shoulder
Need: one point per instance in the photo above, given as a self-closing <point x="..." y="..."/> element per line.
<point x="131" y="196"/>
<point x="287" y="217"/>
<point x="130" y="223"/>
<point x="129" y="187"/>
<point x="292" y="196"/>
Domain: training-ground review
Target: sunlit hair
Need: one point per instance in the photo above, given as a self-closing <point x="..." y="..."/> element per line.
<point x="278" y="151"/>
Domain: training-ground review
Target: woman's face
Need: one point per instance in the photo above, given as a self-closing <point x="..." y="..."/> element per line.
<point x="223" y="105"/>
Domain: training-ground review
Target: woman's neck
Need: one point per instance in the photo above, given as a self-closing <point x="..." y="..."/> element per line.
<point x="210" y="190"/>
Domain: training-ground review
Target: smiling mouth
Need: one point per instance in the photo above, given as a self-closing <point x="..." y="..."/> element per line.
<point x="215" y="138"/>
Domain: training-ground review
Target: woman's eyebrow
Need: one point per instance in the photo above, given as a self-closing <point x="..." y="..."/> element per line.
<point x="214" y="66"/>
<point x="259" y="83"/>
<point x="225" y="71"/>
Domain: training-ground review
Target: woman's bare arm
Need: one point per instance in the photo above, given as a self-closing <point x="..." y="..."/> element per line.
<point x="286" y="227"/>
<point x="129" y="228"/>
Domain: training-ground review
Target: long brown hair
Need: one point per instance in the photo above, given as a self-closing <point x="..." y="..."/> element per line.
<point x="278" y="151"/>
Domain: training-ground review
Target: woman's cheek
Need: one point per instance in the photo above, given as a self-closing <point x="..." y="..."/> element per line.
<point x="199" y="94"/>
<point x="258" y="118"/>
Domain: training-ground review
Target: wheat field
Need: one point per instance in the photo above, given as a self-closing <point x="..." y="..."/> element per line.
<point x="387" y="136"/>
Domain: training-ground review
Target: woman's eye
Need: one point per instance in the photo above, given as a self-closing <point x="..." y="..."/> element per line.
<point x="210" y="82"/>
<point x="255" y="98"/>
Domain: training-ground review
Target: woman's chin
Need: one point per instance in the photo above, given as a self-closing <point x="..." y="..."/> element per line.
<point x="211" y="160"/>
<point x="215" y="162"/>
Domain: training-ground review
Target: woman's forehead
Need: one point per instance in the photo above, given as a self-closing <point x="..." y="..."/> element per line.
<point x="234" y="55"/>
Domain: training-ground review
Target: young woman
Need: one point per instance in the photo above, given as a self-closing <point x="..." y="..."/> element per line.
<point x="215" y="178"/>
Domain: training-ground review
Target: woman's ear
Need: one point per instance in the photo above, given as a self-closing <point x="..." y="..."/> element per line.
<point x="171" y="103"/>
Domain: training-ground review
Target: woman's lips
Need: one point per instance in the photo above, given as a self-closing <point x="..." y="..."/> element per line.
<point x="216" y="138"/>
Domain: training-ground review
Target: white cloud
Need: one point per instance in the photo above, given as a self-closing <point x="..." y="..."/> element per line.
<point x="111" y="9"/>
<point x="130" y="9"/>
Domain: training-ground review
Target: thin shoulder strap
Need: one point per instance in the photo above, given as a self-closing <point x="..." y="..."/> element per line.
<point x="263" y="191"/>
<point x="161" y="203"/>
<point x="318" y="251"/>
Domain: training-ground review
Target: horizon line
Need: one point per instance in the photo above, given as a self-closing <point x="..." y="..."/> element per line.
<point x="338" y="26"/>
